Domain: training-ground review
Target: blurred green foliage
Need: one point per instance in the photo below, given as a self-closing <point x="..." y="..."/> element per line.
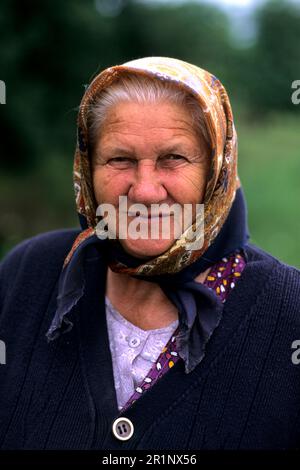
<point x="269" y="168"/>
<point x="51" y="49"/>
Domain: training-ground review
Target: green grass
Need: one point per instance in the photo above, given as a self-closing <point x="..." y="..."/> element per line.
<point x="269" y="169"/>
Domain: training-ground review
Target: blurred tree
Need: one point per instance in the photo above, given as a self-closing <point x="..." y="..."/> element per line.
<point x="274" y="62"/>
<point x="192" y="32"/>
<point x="49" y="50"/>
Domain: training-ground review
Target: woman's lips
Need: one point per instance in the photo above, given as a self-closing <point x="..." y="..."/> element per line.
<point x="149" y="216"/>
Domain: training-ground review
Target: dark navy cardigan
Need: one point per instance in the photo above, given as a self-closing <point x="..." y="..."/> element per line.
<point x="245" y="394"/>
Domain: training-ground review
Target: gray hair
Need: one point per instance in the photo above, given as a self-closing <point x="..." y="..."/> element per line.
<point x="141" y="89"/>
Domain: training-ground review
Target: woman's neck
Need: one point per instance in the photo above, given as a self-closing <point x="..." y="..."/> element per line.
<point x="142" y="303"/>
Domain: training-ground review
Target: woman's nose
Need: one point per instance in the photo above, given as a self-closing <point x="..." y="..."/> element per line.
<point x="147" y="187"/>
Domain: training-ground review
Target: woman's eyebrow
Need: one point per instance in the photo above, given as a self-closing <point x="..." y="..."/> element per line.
<point x="111" y="150"/>
<point x="174" y="148"/>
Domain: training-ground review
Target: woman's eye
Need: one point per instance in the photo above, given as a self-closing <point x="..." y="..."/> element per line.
<point x="172" y="160"/>
<point x="120" y="162"/>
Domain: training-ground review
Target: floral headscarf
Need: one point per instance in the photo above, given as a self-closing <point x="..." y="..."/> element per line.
<point x="222" y="179"/>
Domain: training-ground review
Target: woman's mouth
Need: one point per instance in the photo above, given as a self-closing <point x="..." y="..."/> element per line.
<point x="149" y="216"/>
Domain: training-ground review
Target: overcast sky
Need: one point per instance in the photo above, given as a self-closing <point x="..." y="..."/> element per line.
<point x="224" y="3"/>
<point x="240" y="3"/>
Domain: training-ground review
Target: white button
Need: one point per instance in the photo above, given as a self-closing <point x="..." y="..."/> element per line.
<point x="122" y="429"/>
<point x="134" y="342"/>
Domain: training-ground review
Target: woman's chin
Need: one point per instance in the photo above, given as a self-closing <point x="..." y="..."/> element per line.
<point x="146" y="248"/>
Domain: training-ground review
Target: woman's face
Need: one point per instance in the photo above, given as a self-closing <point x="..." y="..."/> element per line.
<point x="151" y="154"/>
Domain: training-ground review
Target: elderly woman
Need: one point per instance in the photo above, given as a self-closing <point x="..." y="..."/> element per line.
<point x="174" y="342"/>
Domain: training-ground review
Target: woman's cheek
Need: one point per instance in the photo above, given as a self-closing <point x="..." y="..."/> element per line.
<point x="187" y="186"/>
<point x="108" y="186"/>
